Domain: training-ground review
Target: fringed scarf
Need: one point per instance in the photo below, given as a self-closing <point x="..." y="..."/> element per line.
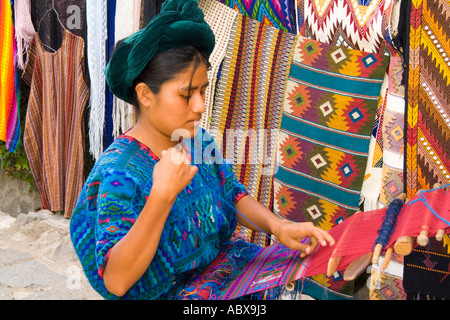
<point x="24" y="31"/>
<point x="96" y="12"/>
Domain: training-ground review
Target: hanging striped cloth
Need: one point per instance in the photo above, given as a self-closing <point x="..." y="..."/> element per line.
<point x="9" y="81"/>
<point x="248" y="105"/>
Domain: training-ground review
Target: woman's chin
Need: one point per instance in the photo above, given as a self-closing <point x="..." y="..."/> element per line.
<point x="194" y="127"/>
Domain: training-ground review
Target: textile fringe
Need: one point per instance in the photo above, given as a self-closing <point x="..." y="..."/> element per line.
<point x="24" y="30"/>
<point x="97" y="35"/>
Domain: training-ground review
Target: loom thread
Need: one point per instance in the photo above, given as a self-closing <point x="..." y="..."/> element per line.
<point x="267" y="235"/>
<point x="422" y="198"/>
<point x="389" y="222"/>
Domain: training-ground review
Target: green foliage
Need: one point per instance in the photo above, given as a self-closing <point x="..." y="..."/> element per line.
<point x="15" y="165"/>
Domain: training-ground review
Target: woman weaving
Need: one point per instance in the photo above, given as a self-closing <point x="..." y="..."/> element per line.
<point x="148" y="219"/>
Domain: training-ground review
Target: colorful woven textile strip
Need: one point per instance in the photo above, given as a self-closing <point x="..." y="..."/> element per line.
<point x="248" y="103"/>
<point x="9" y="80"/>
<point x="222" y="30"/>
<point x="332" y="97"/>
<point x="275" y="13"/>
<point x="329" y="111"/>
<point x="428" y="109"/>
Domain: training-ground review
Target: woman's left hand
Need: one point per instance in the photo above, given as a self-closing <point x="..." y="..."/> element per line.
<point x="291" y="234"/>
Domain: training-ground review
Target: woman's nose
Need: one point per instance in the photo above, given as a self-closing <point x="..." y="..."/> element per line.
<point x="198" y="103"/>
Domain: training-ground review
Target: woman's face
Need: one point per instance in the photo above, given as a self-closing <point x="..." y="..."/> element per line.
<point x="174" y="107"/>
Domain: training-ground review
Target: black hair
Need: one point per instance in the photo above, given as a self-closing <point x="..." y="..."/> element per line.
<point x="165" y="67"/>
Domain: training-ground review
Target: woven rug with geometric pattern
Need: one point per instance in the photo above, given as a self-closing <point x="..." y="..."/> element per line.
<point x="329" y="111"/>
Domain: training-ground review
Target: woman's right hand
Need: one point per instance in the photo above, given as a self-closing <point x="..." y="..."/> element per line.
<point x="173" y="173"/>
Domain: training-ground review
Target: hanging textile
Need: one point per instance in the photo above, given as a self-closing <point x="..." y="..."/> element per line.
<point x="426" y="274"/>
<point x="248" y="105"/>
<point x="24" y="29"/>
<point x="53" y="137"/>
<point x="222" y="30"/>
<point x="387" y="284"/>
<point x="330" y="105"/>
<point x="393" y="134"/>
<point x="428" y="104"/>
<point x="279" y="14"/>
<point x="70" y="13"/>
<point x="134" y="15"/>
<point x="370" y="26"/>
<point x="391" y="142"/>
<point x="96" y="11"/>
<point x="149" y="9"/>
<point x="108" y="136"/>
<point x="9" y="81"/>
<point x="361" y="25"/>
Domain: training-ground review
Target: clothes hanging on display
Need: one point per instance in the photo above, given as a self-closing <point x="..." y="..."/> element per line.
<point x="53" y="135"/>
<point x="47" y="22"/>
<point x="401" y="128"/>
<point x="148" y="10"/>
<point x="9" y="81"/>
<point x="222" y="31"/>
<point x="97" y="34"/>
<point x="108" y="136"/>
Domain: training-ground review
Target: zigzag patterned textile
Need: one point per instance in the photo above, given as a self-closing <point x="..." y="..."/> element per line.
<point x="248" y="104"/>
<point x="387" y="284"/>
<point x="359" y="24"/>
<point x="428" y="110"/>
<point x="331" y="102"/>
<point x="275" y="13"/>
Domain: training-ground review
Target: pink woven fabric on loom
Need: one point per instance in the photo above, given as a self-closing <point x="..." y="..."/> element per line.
<point x="277" y="265"/>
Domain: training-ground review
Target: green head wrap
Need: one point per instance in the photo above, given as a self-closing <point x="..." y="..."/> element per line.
<point x="180" y="23"/>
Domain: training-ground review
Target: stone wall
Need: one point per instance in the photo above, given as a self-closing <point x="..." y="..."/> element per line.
<point x="15" y="199"/>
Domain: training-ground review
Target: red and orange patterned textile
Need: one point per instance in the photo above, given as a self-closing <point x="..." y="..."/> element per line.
<point x="428" y="108"/>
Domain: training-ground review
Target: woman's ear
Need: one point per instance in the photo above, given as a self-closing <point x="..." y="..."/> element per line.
<point x="145" y="95"/>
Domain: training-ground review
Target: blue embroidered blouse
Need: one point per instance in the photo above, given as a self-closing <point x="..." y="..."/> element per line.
<point x="199" y="225"/>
